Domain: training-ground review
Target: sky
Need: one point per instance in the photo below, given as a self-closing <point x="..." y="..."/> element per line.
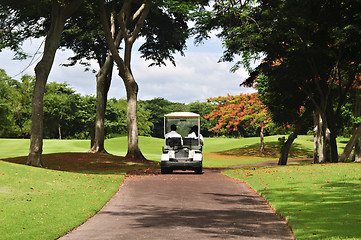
<point x="197" y="76"/>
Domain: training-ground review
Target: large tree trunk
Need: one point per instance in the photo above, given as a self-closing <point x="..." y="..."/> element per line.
<point x="330" y="136"/>
<point x="42" y="71"/>
<point x="287" y="145"/>
<point x="357" y="155"/>
<point x="349" y="146"/>
<point x="124" y="65"/>
<point x="317" y="140"/>
<point x="59" y="131"/>
<point x="328" y="143"/>
<point x="103" y="84"/>
<point x="356" y="136"/>
<point x="261" y="135"/>
<point x="329" y="139"/>
<point x="59" y="14"/>
<point x="132" y="127"/>
<point x="329" y="147"/>
<point x="104" y="78"/>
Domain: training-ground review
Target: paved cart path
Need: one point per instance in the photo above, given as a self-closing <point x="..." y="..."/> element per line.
<point x="183" y="206"/>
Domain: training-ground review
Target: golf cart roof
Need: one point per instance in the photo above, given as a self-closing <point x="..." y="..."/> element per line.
<point x="182" y="115"/>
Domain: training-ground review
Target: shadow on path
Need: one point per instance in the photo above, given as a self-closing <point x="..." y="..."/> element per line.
<point x="184" y="206"/>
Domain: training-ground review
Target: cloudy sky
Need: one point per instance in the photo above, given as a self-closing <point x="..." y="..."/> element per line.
<point x="196" y="77"/>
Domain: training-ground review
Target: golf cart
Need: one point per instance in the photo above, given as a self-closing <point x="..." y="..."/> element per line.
<point x="182" y="153"/>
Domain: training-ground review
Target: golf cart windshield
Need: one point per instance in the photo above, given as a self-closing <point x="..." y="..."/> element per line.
<point x="184" y="122"/>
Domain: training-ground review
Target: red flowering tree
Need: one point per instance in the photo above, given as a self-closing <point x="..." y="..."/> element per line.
<point x="233" y="111"/>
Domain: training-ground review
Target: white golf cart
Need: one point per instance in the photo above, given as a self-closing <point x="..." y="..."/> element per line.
<point x="183" y="153"/>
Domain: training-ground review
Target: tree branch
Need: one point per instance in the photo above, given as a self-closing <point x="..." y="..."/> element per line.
<point x="140" y="22"/>
<point x="108" y="35"/>
<point x="348" y="148"/>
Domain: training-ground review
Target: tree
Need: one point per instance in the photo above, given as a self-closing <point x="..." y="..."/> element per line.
<point x="60" y="12"/>
<point x="164" y="27"/>
<point x="234" y="111"/>
<point x="22" y="106"/>
<point x="356" y="136"/>
<point x="84" y="35"/>
<point x="286" y="104"/>
<point x="15" y="102"/>
<point x="20" y="20"/>
<point x="157" y="108"/>
<point x="358" y="114"/>
<point x="203" y="109"/>
<point x="6" y="94"/>
<point x="313" y="43"/>
<point x="57" y="109"/>
<point x="165" y="34"/>
<point x="86" y="116"/>
<point x="28" y="15"/>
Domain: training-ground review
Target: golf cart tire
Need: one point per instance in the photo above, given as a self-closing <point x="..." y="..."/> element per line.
<point x="166" y="170"/>
<point x="198" y="170"/>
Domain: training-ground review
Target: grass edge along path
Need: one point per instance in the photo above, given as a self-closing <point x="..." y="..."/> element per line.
<point x="317" y="201"/>
<point x="38" y="203"/>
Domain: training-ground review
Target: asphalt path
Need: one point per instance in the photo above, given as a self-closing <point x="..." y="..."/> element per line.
<point x="183" y="205"/>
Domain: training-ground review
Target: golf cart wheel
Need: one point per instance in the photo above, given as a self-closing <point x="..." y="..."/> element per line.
<point x="198" y="170"/>
<point x="165" y="170"/>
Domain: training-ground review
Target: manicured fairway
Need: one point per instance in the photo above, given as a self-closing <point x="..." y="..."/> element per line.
<point x="43" y="204"/>
<point x="38" y="203"/>
<point x="318" y="201"/>
<point x="151" y="148"/>
<point x="46" y="203"/>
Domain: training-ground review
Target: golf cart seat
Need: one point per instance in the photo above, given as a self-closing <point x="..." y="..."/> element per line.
<point x="191" y="142"/>
<point x="173" y="142"/>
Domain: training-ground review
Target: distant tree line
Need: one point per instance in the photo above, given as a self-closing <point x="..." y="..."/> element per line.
<point x="68" y="114"/>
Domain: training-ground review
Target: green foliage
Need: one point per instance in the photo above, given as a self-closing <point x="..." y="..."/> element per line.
<point x="203" y="109"/>
<point x="67" y="114"/>
<point x="116" y="117"/>
<point x="156" y="109"/>
<point x="165" y="31"/>
<point x="348" y="117"/>
<point x="15" y="109"/>
<point x="20" y="20"/>
<point x="309" y="51"/>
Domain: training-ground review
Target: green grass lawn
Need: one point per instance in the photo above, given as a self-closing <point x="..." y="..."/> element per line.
<point x="38" y="203"/>
<point x="318" y="201"/>
<point x="46" y="203"/>
<point x="151" y="148"/>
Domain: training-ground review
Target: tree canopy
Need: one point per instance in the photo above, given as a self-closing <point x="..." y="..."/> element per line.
<point x="309" y="46"/>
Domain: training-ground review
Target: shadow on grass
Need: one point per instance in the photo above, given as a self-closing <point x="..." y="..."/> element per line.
<point x="89" y="163"/>
<point x="271" y="151"/>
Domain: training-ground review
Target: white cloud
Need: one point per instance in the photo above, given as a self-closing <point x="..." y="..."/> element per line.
<point x="197" y="76"/>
